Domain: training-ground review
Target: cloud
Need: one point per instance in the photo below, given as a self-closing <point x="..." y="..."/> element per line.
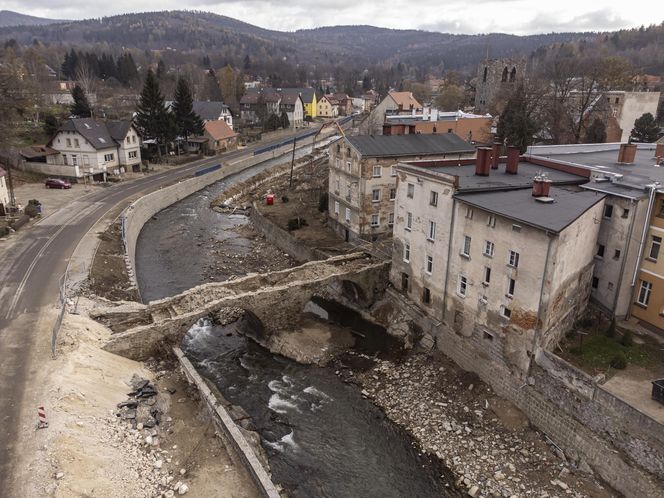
<point x="598" y="20"/>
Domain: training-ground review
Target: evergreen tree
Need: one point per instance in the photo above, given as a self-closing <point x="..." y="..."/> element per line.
<point x="596" y="132"/>
<point x="517" y="124"/>
<point x="51" y="125"/>
<point x="70" y="65"/>
<point x="285" y="122"/>
<point x="247" y="63"/>
<point x="212" y="90"/>
<point x="646" y="129"/>
<point x="272" y="123"/>
<point x="187" y="122"/>
<point x="161" y="70"/>
<point x="126" y="71"/>
<point x="81" y="107"/>
<point x="152" y="119"/>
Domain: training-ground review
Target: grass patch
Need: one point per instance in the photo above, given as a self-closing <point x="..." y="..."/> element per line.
<point x="598" y="351"/>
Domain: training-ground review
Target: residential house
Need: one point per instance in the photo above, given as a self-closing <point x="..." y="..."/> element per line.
<point x="362" y="179"/>
<point x="309" y="99"/>
<point x="396" y="103"/>
<point x="626" y="255"/>
<point x="344" y="102"/>
<point x="259" y="102"/>
<point x="503" y="256"/>
<point x="88" y="147"/>
<point x="470" y="127"/>
<point x="213" y="111"/>
<point x="326" y="109"/>
<point x="220" y="137"/>
<point x="4" y="193"/>
<point x="292" y="105"/>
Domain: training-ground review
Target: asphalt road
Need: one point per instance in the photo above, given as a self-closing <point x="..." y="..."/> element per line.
<point x="30" y="268"/>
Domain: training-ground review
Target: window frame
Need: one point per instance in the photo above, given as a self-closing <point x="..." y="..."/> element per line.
<point x="410" y="190"/>
<point x="608" y="211"/>
<point x="377" y="218"/>
<point x="433" y="198"/>
<point x="409" y="221"/>
<point x="491" y="246"/>
<point x="431" y="235"/>
<point x="645" y="290"/>
<point x="428" y="264"/>
<point x="379" y="168"/>
<point x="406" y="252"/>
<point x="511" y="286"/>
<point x="466" y="246"/>
<point x="513" y="259"/>
<point x="462" y="286"/>
<point x="486" y="277"/>
<point x="656" y="246"/>
<point x="393" y="194"/>
<point x="375" y="195"/>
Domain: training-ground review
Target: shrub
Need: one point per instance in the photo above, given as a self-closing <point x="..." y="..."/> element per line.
<point x="296" y="223"/>
<point x="619" y="361"/>
<point x="585" y="322"/>
<point x="323" y="202"/>
<point x="611" y="331"/>
<point x="34" y="201"/>
<point x="31" y="210"/>
<point x="284" y="199"/>
<point x="4" y="231"/>
<point x="626" y="339"/>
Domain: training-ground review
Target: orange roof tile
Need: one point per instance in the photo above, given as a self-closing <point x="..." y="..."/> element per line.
<point x="405" y="99"/>
<point x="219" y="130"/>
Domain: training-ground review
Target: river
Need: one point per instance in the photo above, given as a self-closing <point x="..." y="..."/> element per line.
<point x="322" y="438"/>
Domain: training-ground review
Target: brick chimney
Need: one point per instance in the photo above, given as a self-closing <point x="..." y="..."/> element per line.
<point x="541" y="186"/>
<point x="659" y="150"/>
<point x="513" y="155"/>
<point x="627" y="153"/>
<point x="495" y="155"/>
<point x="483" y="161"/>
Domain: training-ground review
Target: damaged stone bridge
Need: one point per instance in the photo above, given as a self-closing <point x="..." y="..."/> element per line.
<point x="275" y="301"/>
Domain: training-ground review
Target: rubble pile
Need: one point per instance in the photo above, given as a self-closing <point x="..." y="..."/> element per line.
<point x="138" y="427"/>
<point x="449" y="414"/>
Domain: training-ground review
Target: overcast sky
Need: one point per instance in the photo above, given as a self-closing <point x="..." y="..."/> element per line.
<point x="458" y="16"/>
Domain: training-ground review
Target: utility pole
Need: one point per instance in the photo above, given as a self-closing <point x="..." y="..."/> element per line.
<point x="292" y="165"/>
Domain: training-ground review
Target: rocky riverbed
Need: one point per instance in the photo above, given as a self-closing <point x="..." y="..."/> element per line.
<point x="486" y="441"/>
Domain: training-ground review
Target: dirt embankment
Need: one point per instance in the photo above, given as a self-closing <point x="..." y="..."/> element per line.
<point x="89" y="450"/>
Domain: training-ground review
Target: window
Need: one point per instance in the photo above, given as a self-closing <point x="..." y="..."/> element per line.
<point x="595" y="283"/>
<point x="405" y="278"/>
<point x="491" y="221"/>
<point x="654" y="248"/>
<point x="600" y="251"/>
<point x="74" y="160"/>
<point x="511" y="283"/>
<point x="76" y="143"/>
<point x="411" y="191"/>
<point x="337" y="163"/>
<point x="348" y="214"/>
<point x="516" y="228"/>
<point x="406" y="252"/>
<point x="336" y="207"/>
<point x="390" y="219"/>
<point x="433" y="198"/>
<point x="429" y="264"/>
<point x="86" y="161"/>
<point x="108" y="157"/>
<point x="69" y="142"/>
<point x="616" y="254"/>
<point x="426" y="295"/>
<point x="377" y="171"/>
<point x="375" y="220"/>
<point x="505" y="311"/>
<point x="132" y="154"/>
<point x="625" y="213"/>
<point x="487" y="275"/>
<point x="661" y="209"/>
<point x="432" y="230"/>
<point x="644" y="293"/>
<point x="469" y="213"/>
<point x="133" y="139"/>
<point x="608" y="210"/>
<point x="462" y="286"/>
<point x="409" y="221"/>
<point x="348" y="191"/>
<point x="393" y="194"/>
<point x="488" y="248"/>
<point x="64" y="159"/>
<point x="128" y="139"/>
<point x="513" y="259"/>
<point x="375" y="195"/>
<point x="393" y="171"/>
<point x="465" y="250"/>
<point x="348" y="165"/>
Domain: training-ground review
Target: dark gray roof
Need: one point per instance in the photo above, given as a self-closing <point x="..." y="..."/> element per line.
<point x="307" y="93"/>
<point x="521" y="206"/>
<point x="100" y="134"/>
<point x="209" y="110"/>
<point x="616" y="189"/>
<point x="499" y="180"/>
<point x="409" y="145"/>
<point x="603" y="158"/>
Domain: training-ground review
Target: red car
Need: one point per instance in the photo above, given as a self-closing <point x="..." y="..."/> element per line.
<point x="57" y="183"/>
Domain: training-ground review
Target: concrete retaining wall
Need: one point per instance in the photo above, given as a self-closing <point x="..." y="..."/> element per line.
<point x="232" y="433"/>
<point x="284" y="240"/>
<point x="140" y="211"/>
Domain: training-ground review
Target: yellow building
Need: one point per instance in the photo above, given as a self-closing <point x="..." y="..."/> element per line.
<point x="309" y="99"/>
<point x="648" y="298"/>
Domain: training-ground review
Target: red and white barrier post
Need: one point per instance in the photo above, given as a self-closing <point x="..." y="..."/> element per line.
<point x="41" y="414"/>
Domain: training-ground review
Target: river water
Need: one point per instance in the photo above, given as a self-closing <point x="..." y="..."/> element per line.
<point x="322" y="438"/>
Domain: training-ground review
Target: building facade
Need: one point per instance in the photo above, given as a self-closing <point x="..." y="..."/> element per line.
<point x="495" y="78"/>
<point x="394" y="104"/>
<point x="362" y="180"/>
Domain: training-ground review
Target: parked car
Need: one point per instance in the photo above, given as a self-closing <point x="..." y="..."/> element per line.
<point x="57" y="183"/>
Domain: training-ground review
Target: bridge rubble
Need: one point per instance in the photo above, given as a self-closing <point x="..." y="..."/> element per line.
<point x="274" y="300"/>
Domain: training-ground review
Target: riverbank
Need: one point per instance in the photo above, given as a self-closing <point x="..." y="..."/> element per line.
<point x="88" y="450"/>
<point x="486" y="441"/>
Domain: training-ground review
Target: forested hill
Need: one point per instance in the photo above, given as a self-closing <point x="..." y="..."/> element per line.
<point x="10" y="18"/>
<point x="205" y="32"/>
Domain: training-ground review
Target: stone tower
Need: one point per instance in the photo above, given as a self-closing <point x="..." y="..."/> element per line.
<point x="494" y="75"/>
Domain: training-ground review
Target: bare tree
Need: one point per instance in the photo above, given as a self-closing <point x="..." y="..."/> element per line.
<point x="86" y="78"/>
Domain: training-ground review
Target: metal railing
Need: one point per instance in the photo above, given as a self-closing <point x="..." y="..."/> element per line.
<point x="62" y="300"/>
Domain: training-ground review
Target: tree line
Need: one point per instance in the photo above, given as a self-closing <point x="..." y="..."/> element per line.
<point x="102" y="66"/>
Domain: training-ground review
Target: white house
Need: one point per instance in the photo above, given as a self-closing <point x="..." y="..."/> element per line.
<point x="213" y="111"/>
<point x="4" y="192"/>
<point x="90" y="147"/>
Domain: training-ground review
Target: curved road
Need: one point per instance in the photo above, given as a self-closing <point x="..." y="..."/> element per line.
<point x="30" y="268"/>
